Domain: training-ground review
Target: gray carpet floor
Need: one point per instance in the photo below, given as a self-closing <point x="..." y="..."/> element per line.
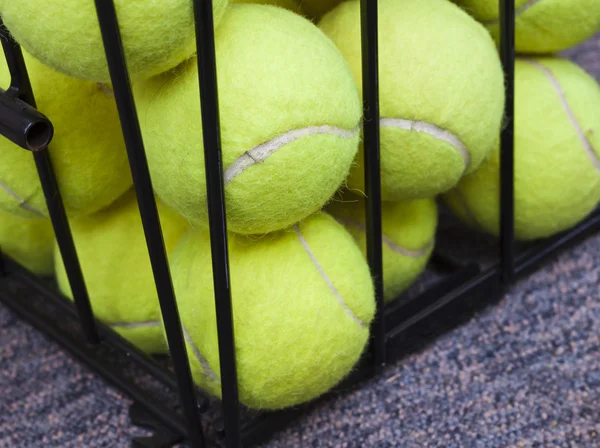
<point x="524" y="373"/>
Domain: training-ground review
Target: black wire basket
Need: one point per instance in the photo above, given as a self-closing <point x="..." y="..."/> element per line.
<point x="165" y="398"/>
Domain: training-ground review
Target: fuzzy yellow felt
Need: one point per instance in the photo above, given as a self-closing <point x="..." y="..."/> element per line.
<point x="408" y="229"/>
<point x="302" y="304"/>
<point x="30" y="242"/>
<point x="292" y="5"/>
<point x="441" y="92"/>
<point x="116" y="267"/>
<point x="87" y="152"/>
<point x="542" y="26"/>
<point x="157" y="34"/>
<point x="290" y="114"/>
<point x="557" y="141"/>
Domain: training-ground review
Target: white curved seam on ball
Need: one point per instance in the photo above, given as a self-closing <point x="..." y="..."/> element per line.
<point x="520" y="10"/>
<point x="131" y="325"/>
<point x="261" y="152"/>
<point x="587" y="145"/>
<point x="201" y="359"/>
<point x="434" y="131"/>
<point x="327" y="280"/>
<point x="411" y="253"/>
<point x="22" y="203"/>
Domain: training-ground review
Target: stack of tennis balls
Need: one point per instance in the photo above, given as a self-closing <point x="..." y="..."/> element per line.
<point x="441" y="105"/>
<point x="290" y="115"/>
<point x="557" y="126"/>
<point x="290" y="123"/>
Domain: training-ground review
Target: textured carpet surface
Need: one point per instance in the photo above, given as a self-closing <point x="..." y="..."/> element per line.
<point x="524" y="372"/>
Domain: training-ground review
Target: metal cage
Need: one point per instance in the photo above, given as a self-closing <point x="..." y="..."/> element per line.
<point x="165" y="398"/>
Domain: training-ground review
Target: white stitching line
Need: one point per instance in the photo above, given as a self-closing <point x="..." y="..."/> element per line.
<point x="260" y="153"/>
<point x="201" y="359"/>
<point x="518" y="12"/>
<point x="587" y="145"/>
<point x="22" y="203"/>
<point x="318" y="267"/>
<point x="411" y="253"/>
<point x="432" y="130"/>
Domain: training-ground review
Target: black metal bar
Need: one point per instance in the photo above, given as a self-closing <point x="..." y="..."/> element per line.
<point x="398" y="311"/>
<point x="111" y="36"/>
<point x="370" y="89"/>
<point x="22" y="124"/>
<point x="66" y="245"/>
<point x="487" y="279"/>
<point x="209" y="105"/>
<point x="21" y="88"/>
<point x="507" y="194"/>
<point x="16" y="66"/>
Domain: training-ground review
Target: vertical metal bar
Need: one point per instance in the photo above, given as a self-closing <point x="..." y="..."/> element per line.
<point x="370" y="91"/>
<point x="66" y="245"/>
<point x="209" y="104"/>
<point x="111" y="36"/>
<point x="507" y="194"/>
<point x="21" y="85"/>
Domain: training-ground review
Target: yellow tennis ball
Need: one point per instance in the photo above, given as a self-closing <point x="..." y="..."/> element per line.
<point x="302" y="304"/>
<point x="408" y="237"/>
<point x="441" y="92"/>
<point x="28" y="241"/>
<point x="290" y="115"/>
<point x="292" y="5"/>
<point x="87" y="152"/>
<point x="541" y="26"/>
<point x="116" y="268"/>
<point x="557" y="141"/>
<point x="156" y="35"/>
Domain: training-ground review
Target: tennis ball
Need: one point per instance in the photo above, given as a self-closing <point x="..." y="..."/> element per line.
<point x="408" y="237"/>
<point x="441" y="93"/>
<point x="156" y="35"/>
<point x="302" y="303"/>
<point x="28" y="241"/>
<point x="290" y="115"/>
<point x="292" y="5"/>
<point x="557" y="140"/>
<point x="116" y="267"/>
<point x="541" y="26"/>
<point x="87" y="152"/>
